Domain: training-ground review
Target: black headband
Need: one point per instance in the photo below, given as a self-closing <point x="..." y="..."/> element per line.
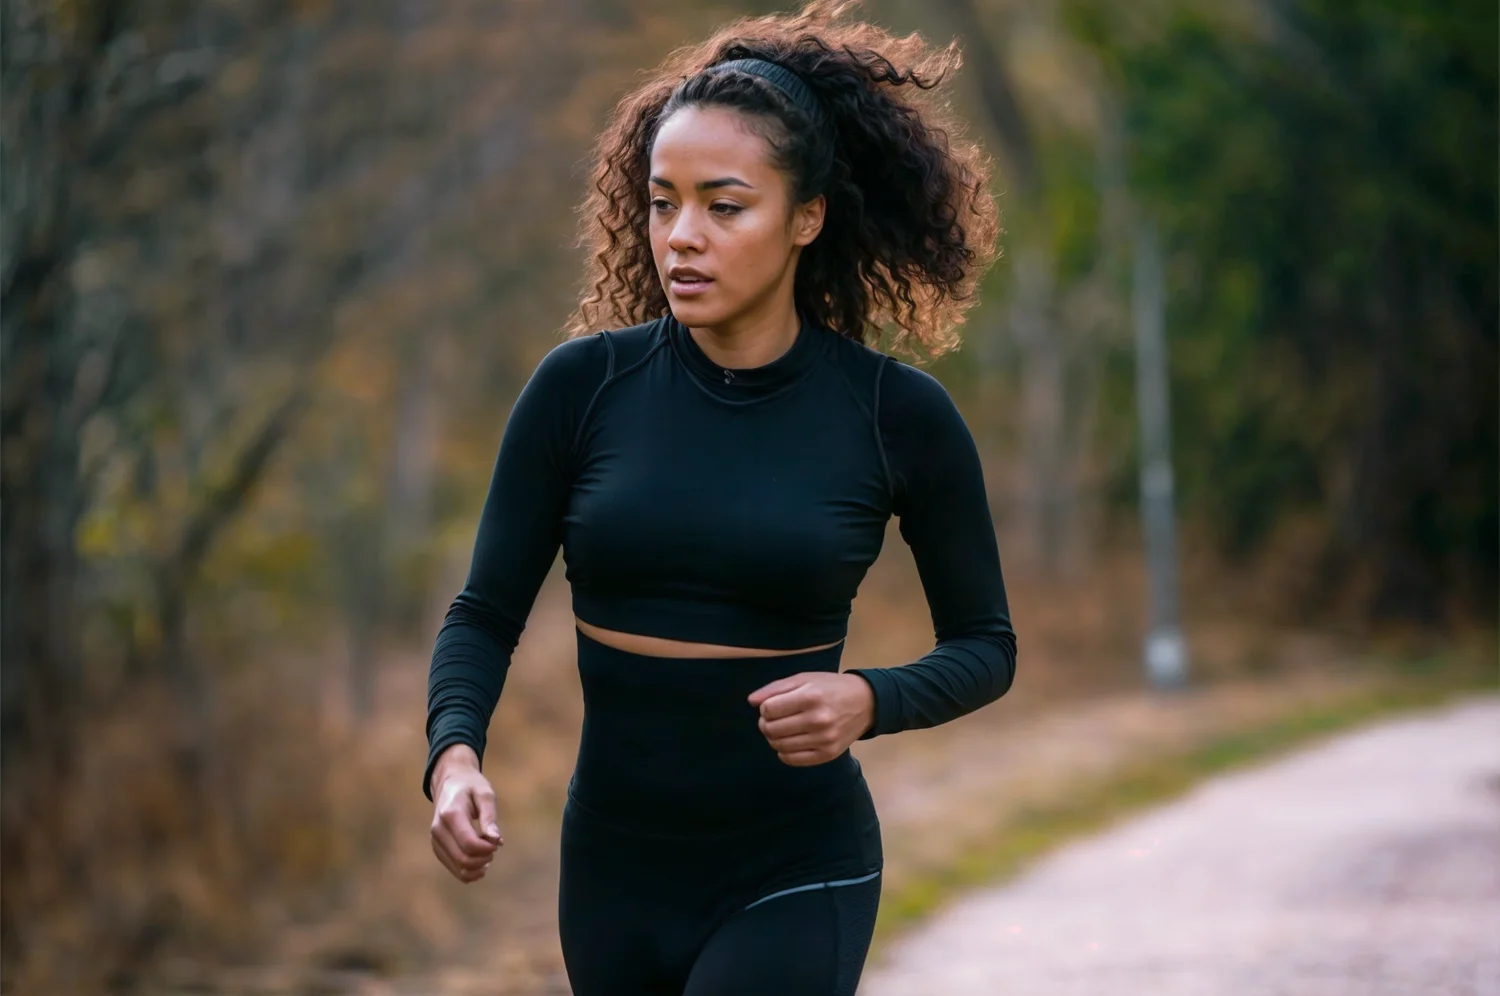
<point x="783" y="79"/>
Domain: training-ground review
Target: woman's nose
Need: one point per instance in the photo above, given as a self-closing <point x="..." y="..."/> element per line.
<point x="687" y="232"/>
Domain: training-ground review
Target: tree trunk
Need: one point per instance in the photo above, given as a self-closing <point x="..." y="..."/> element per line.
<point x="40" y="504"/>
<point x="1043" y="404"/>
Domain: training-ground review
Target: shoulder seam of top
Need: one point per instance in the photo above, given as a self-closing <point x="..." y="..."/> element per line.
<point x="885" y="464"/>
<point x="611" y="376"/>
<point x="836" y="362"/>
<point x="650" y="351"/>
<point x="609" y="369"/>
<point x="871" y="411"/>
<point x="609" y="364"/>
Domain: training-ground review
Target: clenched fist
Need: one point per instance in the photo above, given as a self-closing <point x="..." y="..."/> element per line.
<point x="465" y="832"/>
<point x="812" y="718"/>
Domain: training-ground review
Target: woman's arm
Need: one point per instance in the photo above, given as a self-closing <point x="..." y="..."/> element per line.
<point x="944" y="513"/>
<point x="519" y="532"/>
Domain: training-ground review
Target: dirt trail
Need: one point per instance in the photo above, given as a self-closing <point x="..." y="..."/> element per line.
<point x="1368" y="865"/>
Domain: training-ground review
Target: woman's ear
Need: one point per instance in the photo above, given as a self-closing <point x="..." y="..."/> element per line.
<point x="807" y="220"/>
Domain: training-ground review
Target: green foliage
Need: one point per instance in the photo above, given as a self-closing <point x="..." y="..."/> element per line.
<point x="1325" y="180"/>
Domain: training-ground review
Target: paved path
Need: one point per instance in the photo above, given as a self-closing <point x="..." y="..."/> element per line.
<point x="1366" y="866"/>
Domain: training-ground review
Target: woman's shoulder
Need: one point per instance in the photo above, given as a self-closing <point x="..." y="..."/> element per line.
<point x="584" y="362"/>
<point x="573" y="362"/>
<point x="910" y="390"/>
<point x="918" y="419"/>
<point x="897" y="390"/>
<point x="565" y="380"/>
<point x="629" y="345"/>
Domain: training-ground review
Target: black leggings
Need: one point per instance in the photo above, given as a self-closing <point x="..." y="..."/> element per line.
<point x="695" y="863"/>
<point x="643" y="916"/>
<point x="809" y="943"/>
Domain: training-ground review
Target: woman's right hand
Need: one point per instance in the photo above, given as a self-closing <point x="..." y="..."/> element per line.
<point x="465" y="831"/>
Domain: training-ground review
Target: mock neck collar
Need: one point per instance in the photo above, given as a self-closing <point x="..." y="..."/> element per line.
<point x="748" y="383"/>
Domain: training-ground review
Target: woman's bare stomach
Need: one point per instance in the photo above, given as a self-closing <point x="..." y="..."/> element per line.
<point x="656" y="646"/>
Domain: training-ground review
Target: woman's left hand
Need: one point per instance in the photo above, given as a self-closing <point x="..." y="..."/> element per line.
<point x="812" y="718"/>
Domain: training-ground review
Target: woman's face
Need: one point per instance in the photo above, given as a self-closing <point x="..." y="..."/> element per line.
<point x="724" y="233"/>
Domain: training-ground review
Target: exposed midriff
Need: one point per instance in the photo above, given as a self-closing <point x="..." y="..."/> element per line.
<point x="655" y="646"/>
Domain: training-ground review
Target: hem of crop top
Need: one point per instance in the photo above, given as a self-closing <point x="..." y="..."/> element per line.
<point x="704" y="622"/>
<point x="616" y="639"/>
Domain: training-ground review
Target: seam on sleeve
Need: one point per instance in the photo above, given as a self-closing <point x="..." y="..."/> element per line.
<point x="611" y="376"/>
<point x="609" y="346"/>
<point x="609" y="372"/>
<point x="859" y="402"/>
<point x="650" y="352"/>
<point x="885" y="464"/>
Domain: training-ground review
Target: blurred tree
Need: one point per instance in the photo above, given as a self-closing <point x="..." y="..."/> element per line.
<point x="1325" y="173"/>
<point x="79" y="85"/>
<point x="200" y="201"/>
<point x="206" y="210"/>
<point x="1052" y="118"/>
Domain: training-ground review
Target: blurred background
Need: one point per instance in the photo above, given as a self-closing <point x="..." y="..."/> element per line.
<point x="273" y="274"/>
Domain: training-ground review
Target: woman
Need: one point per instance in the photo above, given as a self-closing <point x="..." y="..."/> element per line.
<point x="719" y="477"/>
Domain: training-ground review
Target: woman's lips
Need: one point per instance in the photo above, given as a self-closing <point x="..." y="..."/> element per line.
<point x="689" y="286"/>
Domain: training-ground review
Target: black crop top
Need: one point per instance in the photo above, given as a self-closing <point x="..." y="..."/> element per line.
<point x="735" y="507"/>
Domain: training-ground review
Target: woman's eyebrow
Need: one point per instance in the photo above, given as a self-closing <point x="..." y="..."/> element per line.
<point x="723" y="181"/>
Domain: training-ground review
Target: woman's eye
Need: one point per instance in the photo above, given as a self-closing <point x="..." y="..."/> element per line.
<point x="728" y="209"/>
<point x="661" y="204"/>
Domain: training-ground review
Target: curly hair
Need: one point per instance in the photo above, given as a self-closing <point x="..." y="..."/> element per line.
<point x="910" y="224"/>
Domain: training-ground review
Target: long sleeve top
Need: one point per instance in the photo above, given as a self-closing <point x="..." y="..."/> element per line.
<point x="739" y="507"/>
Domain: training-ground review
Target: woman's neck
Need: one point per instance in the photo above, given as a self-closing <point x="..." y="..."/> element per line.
<point x="753" y="339"/>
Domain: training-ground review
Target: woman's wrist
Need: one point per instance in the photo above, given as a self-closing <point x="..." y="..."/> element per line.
<point x="868" y="676"/>
<point x="453" y="758"/>
<point x="865" y="695"/>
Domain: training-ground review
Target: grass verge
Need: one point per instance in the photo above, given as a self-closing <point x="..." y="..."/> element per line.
<point x="1031" y="833"/>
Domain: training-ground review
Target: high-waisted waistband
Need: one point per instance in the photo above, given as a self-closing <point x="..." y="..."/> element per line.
<point x="671" y="744"/>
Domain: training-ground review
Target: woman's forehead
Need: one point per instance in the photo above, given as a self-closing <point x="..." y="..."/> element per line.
<point x="697" y="142"/>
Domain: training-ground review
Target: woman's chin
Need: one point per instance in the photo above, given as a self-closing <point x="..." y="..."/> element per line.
<point x="697" y="314"/>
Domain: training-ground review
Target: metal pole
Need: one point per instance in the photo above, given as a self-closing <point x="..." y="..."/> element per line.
<point x="1165" y="652"/>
